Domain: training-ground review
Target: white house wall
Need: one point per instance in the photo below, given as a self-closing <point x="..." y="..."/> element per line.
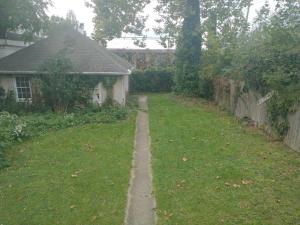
<point x="99" y="94"/>
<point x="8" y="83"/>
<point x="119" y="91"/>
<point x="126" y="84"/>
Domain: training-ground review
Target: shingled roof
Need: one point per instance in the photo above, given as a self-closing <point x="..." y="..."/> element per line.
<point x="86" y="55"/>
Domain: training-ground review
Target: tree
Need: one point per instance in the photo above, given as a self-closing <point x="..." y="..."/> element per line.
<point x="223" y="22"/>
<point x="217" y="16"/>
<point x="59" y="23"/>
<point x="72" y="19"/>
<point x="171" y="17"/>
<point x="113" y="17"/>
<point x="189" y="50"/>
<point x="28" y="16"/>
<point x="56" y="86"/>
<point x="61" y="90"/>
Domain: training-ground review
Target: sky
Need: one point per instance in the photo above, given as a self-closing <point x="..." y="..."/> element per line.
<point x="85" y="15"/>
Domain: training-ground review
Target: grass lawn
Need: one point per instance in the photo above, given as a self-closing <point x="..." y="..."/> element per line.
<point x="208" y="169"/>
<point x="74" y="176"/>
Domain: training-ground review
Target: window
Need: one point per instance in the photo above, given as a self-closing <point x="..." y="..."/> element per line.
<point x="23" y="88"/>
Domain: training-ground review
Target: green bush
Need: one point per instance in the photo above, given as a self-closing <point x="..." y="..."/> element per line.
<point x="152" y="80"/>
<point x="9" y="104"/>
<point x="12" y="129"/>
<point x="266" y="57"/>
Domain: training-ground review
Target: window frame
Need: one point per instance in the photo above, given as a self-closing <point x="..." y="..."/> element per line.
<point x="17" y="90"/>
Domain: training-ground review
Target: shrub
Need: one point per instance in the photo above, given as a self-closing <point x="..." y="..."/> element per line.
<point x="12" y="129"/>
<point x="60" y="90"/>
<point x="266" y="58"/>
<point x="152" y="80"/>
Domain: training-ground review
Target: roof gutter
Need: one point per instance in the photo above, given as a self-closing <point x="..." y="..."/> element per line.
<point x="70" y="73"/>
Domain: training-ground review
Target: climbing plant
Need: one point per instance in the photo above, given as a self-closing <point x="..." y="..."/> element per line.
<point x="61" y="89"/>
<point x="188" y="51"/>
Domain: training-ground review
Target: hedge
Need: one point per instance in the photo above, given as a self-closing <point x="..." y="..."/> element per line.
<point x="152" y="80"/>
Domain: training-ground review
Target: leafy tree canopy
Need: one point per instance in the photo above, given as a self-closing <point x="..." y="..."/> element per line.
<point x="113" y="17"/>
<point x="28" y="16"/>
<point x="217" y="16"/>
<point x="57" y="23"/>
<point x="189" y="50"/>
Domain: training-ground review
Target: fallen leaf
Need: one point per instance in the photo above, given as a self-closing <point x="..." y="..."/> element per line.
<point x="244" y="205"/>
<point x="168" y="215"/>
<point x="246" y="182"/>
<point x="236" y="185"/>
<point x="89" y="147"/>
<point x="94" y="218"/>
<point x="20" y="198"/>
<point x="76" y="173"/>
<point x="184" y="159"/>
<point x="180" y="184"/>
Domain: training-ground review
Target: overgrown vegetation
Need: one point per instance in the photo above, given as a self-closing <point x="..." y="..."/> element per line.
<point x="8" y="103"/>
<point x="61" y="89"/>
<point x="152" y="80"/>
<point x="188" y="51"/>
<point x="267" y="58"/>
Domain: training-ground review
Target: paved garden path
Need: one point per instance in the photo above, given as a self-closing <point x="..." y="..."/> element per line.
<point x="141" y="202"/>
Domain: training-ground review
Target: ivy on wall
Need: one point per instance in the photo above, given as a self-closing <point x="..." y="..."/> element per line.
<point x="61" y="90"/>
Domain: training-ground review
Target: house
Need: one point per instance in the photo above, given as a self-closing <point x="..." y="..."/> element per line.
<point x="87" y="56"/>
<point x="147" y="58"/>
<point x="10" y="43"/>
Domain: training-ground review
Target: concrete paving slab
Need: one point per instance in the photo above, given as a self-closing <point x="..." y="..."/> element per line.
<point x="141" y="202"/>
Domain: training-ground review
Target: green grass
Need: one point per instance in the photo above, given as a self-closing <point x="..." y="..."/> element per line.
<point x="208" y="169"/>
<point x="74" y="176"/>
